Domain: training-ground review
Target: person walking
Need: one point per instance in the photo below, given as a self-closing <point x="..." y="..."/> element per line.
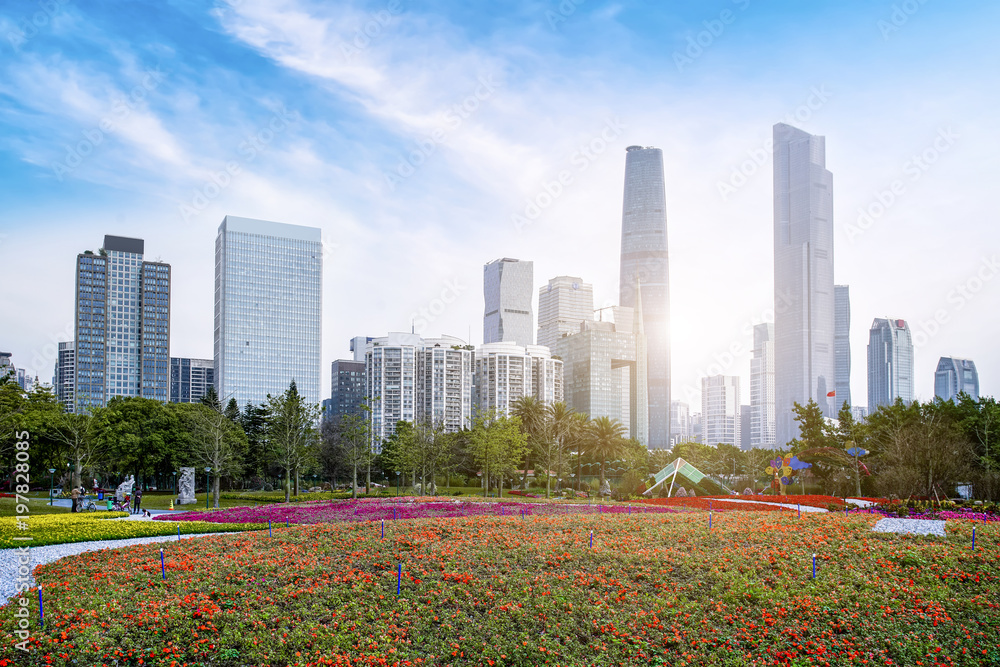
<point x="138" y="499"/>
<point x="76" y="497"/>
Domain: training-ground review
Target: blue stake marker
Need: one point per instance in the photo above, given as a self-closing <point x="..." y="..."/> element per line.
<point x="286" y="523"/>
<point x="814" y="566"/>
<point x="399" y="579"/>
<point x="269" y="533"/>
<point x="973" y="538"/>
<point x="393" y="513"/>
<point x="800" y="510"/>
<point x="591" y="539"/>
<point x="383" y="530"/>
<point x="163" y="566"/>
<point x="178" y="532"/>
<point x="710" y="519"/>
<point x="41" y="611"/>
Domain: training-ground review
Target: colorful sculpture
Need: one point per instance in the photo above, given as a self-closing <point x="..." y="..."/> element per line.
<point x="784" y="471"/>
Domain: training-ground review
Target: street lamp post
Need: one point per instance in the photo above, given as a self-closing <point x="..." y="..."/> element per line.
<point x="51" y="487"/>
<point x="175" y="483"/>
<point x="207" y="470"/>
<point x="397" y="484"/>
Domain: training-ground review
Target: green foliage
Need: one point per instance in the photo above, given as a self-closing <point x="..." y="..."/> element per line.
<point x="498" y="445"/>
<point x="290" y="433"/>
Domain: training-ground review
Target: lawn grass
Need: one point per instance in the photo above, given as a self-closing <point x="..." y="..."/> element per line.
<point x="651" y="590"/>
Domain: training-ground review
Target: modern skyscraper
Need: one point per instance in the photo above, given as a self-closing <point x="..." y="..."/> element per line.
<point x="593" y="363"/>
<point x="64" y="379"/>
<point x="190" y="379"/>
<point x="562" y="305"/>
<point x="890" y="363"/>
<point x="745" y="415"/>
<point x="347" y="389"/>
<point x="804" y="365"/>
<point x="122" y="344"/>
<point x="762" y="422"/>
<point x="506" y="371"/>
<point x="644" y="262"/>
<point x="508" y="285"/>
<point x="6" y="366"/>
<point x="268" y="310"/>
<point x="720" y="410"/>
<point x="412" y="379"/>
<point x="842" y="344"/>
<point x="680" y="422"/>
<point x="955" y="376"/>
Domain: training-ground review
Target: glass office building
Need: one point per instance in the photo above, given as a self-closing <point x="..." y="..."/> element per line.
<point x="762" y="387"/>
<point x="268" y="309"/>
<point x="890" y="363"/>
<point x="804" y="367"/>
<point x="122" y="345"/>
<point x="508" y="288"/>
<point x="562" y="305"/>
<point x="842" y="344"/>
<point x="644" y="262"/>
<point x="955" y="376"/>
<point x="190" y="379"/>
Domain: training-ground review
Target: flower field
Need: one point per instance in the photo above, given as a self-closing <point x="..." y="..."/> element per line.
<point x="375" y="509"/>
<point x="651" y="589"/>
<point x="62" y="528"/>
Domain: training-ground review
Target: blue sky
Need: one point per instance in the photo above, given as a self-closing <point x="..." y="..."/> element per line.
<point x="415" y="133"/>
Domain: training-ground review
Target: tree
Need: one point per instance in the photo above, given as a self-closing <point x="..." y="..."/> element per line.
<point x="356" y="441"/>
<point x="78" y="436"/>
<point x="211" y="399"/>
<point x="140" y="434"/>
<point x="813" y="430"/>
<point x="497" y="444"/>
<point x="560" y="419"/>
<point x="608" y="439"/>
<point x="849" y="434"/>
<point x="214" y="441"/>
<point x="253" y="419"/>
<point x="532" y="414"/>
<point x="291" y="433"/>
<point x="919" y="449"/>
<point x="579" y="435"/>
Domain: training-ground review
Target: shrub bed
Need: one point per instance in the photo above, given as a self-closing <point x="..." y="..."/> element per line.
<point x="64" y="528"/>
<point x="486" y="590"/>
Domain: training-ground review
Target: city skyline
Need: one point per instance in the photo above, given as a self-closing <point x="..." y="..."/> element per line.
<point x="313" y="135"/>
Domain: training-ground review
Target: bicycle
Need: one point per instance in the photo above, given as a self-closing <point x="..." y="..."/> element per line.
<point x="121" y="505"/>
<point x="86" y="505"/>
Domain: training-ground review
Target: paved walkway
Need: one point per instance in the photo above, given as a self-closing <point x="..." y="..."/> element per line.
<point x="791" y="506"/>
<point x="102" y="506"/>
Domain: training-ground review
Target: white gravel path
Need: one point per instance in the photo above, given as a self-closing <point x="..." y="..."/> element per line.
<point x="53" y="552"/>
<point x="791" y="506"/>
<point x="857" y="502"/>
<point x="910" y="526"/>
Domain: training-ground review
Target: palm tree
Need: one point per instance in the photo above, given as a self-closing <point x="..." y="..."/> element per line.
<point x="579" y="435"/>
<point x="561" y="421"/>
<point x="533" y="423"/>
<point x="608" y="438"/>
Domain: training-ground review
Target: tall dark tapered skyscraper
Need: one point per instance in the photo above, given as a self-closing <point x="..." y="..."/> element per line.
<point x="644" y="262"/>
<point x="804" y="328"/>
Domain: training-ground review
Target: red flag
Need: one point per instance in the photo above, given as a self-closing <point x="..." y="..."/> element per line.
<point x="831" y="394"/>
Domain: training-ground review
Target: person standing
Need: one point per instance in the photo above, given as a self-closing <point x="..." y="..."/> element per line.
<point x="138" y="499"/>
<point x="76" y="498"/>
